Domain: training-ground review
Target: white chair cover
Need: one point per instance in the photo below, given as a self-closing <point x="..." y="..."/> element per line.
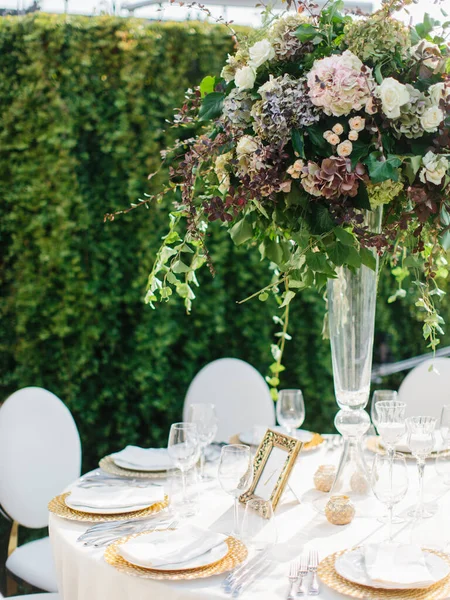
<point x="425" y="391"/>
<point x="33" y="563"/>
<point x="35" y="597"/>
<point x="40" y="454"/>
<point x="240" y="394"/>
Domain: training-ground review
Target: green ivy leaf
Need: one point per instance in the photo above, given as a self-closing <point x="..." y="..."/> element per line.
<point x="380" y="170"/>
<point x="207" y="85"/>
<point x="338" y="253"/>
<point x="298" y="142"/>
<point x="211" y="107"/>
<point x="361" y="200"/>
<point x="306" y="32"/>
<point x="367" y="258"/>
<point x="412" y="165"/>
<point x="241" y="232"/>
<point x="287" y="297"/>
<point x="353" y="258"/>
<point x="360" y="150"/>
<point x="344" y="236"/>
<point x="180" y="267"/>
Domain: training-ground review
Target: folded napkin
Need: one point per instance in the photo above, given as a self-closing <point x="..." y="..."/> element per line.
<point x="393" y="563"/>
<point x="110" y="498"/>
<point x="170" y="547"/>
<point x="150" y="459"/>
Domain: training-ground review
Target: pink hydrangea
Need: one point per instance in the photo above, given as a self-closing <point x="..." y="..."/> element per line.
<point x="340" y="83"/>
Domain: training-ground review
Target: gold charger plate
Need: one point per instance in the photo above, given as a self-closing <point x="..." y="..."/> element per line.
<point x="315" y="441"/>
<point x="374" y="445"/>
<point x="237" y="553"/>
<point x="329" y="576"/>
<point x="107" y="464"/>
<point x="59" y="507"/>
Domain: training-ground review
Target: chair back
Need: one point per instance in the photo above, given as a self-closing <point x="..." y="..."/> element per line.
<point x="240" y="394"/>
<point x="40" y="454"/>
<point x="425" y="391"/>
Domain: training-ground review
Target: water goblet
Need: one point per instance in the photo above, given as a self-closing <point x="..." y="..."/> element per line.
<point x="235" y="475"/>
<point x="204" y="416"/>
<point x="290" y="409"/>
<point x="183" y="449"/>
<point x="389" y="480"/>
<point x="421" y="438"/>
<point x="259" y="530"/>
<point x="445" y="424"/>
<point x="381" y="396"/>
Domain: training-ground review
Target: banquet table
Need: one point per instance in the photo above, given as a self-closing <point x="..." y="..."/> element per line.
<point x="83" y="573"/>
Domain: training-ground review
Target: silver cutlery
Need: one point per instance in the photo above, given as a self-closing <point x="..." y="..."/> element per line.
<point x="248" y="579"/>
<point x="116" y="526"/>
<point x="107" y="539"/>
<point x="232" y="577"/>
<point x="94" y="481"/>
<point x="293" y="576"/>
<point x="312" y="568"/>
<point x="302" y="574"/>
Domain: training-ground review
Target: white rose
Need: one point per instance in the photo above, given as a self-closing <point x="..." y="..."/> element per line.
<point x="245" y="78"/>
<point x="393" y="94"/>
<point x="246" y="145"/>
<point x="345" y="148"/>
<point x="431" y="118"/>
<point x="434" y="169"/>
<point x="260" y="53"/>
<point x="437" y="92"/>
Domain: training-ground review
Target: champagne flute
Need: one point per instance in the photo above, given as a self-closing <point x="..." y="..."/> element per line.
<point x="290" y="409"/>
<point x="381" y="396"/>
<point x="421" y="440"/>
<point x="235" y="475"/>
<point x="183" y="449"/>
<point x="389" y="479"/>
<point x="204" y="416"/>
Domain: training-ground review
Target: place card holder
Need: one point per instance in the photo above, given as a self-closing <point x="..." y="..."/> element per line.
<point x="272" y="467"/>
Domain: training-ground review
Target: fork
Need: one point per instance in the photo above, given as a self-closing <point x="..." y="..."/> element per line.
<point x="248" y="579"/>
<point x="302" y="574"/>
<point x="293" y="576"/>
<point x="313" y="564"/>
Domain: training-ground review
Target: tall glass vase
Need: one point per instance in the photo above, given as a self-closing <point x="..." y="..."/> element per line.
<point x="351" y="313"/>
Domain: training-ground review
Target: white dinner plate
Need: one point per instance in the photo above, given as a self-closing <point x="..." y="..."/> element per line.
<point x="351" y="566"/>
<point x="209" y="558"/>
<point x="252" y="437"/>
<point x="107" y="511"/>
<point x="133" y="467"/>
<point x="402" y="445"/>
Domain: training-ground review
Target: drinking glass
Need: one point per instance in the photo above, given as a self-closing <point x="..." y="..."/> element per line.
<point x="445" y="424"/>
<point x="381" y="396"/>
<point x="389" y="481"/>
<point x="443" y="462"/>
<point x="259" y="530"/>
<point x="235" y="475"/>
<point x="204" y="416"/>
<point x="421" y="440"/>
<point x="391" y="426"/>
<point x="290" y="409"/>
<point x="184" y="450"/>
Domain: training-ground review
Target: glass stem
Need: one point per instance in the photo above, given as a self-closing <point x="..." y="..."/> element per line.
<point x="421" y="467"/>
<point x="183" y="485"/>
<point x="236" y="516"/>
<point x="202" y="462"/>
<point x="390" y="510"/>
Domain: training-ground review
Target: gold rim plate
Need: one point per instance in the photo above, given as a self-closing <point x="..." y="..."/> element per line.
<point x="237" y="553"/>
<point x="374" y="445"/>
<point x="59" y="507"/>
<point x="329" y="576"/>
<point x="107" y="464"/>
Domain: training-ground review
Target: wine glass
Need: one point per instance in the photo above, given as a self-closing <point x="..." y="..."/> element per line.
<point x="235" y="475"/>
<point x="445" y="424"/>
<point x="259" y="531"/>
<point x="443" y="462"/>
<point x="421" y="440"/>
<point x="391" y="426"/>
<point x="183" y="449"/>
<point x="290" y="409"/>
<point x="204" y="416"/>
<point x="381" y="396"/>
<point x="389" y="479"/>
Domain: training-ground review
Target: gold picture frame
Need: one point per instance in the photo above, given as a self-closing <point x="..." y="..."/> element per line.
<point x="272" y="467"/>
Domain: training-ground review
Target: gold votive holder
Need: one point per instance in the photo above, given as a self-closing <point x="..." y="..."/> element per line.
<point x="339" y="510"/>
<point x="324" y="478"/>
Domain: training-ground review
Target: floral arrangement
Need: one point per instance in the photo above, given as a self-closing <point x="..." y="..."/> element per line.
<point x="317" y="118"/>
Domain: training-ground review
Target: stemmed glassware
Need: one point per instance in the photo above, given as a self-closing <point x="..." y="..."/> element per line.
<point x="421" y="440"/>
<point x="389" y="481"/>
<point x="290" y="409"/>
<point x="183" y="449"/>
<point x="443" y="462"/>
<point x="380" y="396"/>
<point x="204" y="416"/>
<point x="235" y="475"/>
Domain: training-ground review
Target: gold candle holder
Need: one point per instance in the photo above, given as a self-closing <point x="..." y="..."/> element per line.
<point x="324" y="478"/>
<point x="339" y="510"/>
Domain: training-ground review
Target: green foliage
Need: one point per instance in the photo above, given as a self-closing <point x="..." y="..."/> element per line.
<point x="83" y="104"/>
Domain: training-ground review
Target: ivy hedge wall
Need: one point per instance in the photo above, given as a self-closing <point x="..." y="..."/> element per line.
<point x="83" y="103"/>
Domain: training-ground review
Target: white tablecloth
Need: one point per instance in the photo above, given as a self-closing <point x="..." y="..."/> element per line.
<point x="84" y="575"/>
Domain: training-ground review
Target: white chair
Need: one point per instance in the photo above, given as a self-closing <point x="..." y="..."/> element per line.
<point x="35" y="597"/>
<point x="40" y="454"/>
<point x="240" y="394"/>
<point x="425" y="391"/>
